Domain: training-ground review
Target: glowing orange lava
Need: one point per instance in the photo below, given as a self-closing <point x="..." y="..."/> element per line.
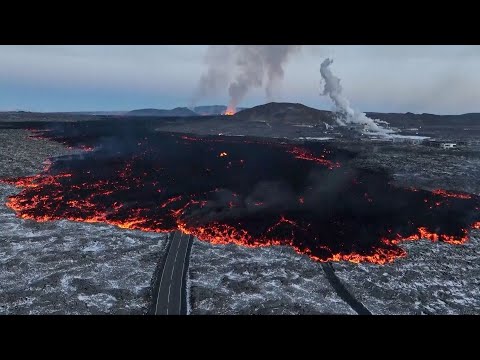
<point x="451" y="194"/>
<point x="230" y="110"/>
<point x="424" y="233"/>
<point x="304" y="154"/>
<point x="215" y="232"/>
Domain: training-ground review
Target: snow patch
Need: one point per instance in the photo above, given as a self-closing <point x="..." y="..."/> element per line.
<point x="98" y="300"/>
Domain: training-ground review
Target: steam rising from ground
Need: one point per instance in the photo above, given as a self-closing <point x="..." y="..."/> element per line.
<point x="243" y="67"/>
<point x="349" y="115"/>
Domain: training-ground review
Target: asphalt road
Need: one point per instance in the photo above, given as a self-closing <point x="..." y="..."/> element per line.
<point x="170" y="291"/>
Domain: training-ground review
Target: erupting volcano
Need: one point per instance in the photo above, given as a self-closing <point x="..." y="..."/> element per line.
<point x="230" y="111"/>
<point x="247" y="191"/>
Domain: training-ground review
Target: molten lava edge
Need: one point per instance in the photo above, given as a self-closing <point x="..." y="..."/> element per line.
<point x="246" y="192"/>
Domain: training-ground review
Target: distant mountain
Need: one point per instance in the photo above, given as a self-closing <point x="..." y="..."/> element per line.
<point x="415" y="120"/>
<point x="105" y="113"/>
<point x="299" y="114"/>
<point x="212" y="109"/>
<point x="182" y="111"/>
<point x="179" y="111"/>
<point x="287" y="113"/>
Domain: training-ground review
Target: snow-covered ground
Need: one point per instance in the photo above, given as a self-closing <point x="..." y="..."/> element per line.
<point x="316" y="138"/>
<point x="230" y="279"/>
<point x="409" y="137"/>
<point x="64" y="267"/>
<point x="435" y="278"/>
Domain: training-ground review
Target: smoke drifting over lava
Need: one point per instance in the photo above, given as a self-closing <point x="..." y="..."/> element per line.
<point x="242" y="68"/>
<point x="248" y="192"/>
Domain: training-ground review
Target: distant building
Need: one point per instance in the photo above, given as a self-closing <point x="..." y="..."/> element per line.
<point x="443" y="145"/>
<point x="408" y="140"/>
<point x="446" y="146"/>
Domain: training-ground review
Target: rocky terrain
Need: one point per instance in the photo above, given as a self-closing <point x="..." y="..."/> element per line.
<point x="179" y="111"/>
<point x="286" y="114"/>
<point x="228" y="279"/>
<point x="418" y="120"/>
<point x="425" y="167"/>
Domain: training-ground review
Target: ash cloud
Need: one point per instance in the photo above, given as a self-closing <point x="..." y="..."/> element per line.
<point x="242" y="68"/>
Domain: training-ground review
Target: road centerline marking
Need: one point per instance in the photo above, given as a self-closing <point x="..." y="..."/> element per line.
<point x="181" y="280"/>
<point x="163" y="271"/>
<point x="173" y="270"/>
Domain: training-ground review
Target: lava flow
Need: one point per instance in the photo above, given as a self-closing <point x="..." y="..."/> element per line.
<point x="306" y="155"/>
<point x="229" y="190"/>
<point x="230" y="110"/>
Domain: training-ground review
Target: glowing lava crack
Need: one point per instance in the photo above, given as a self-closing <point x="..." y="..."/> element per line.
<point x="246" y="192"/>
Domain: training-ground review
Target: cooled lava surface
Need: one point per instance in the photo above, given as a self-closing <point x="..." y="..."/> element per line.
<point x="246" y="191"/>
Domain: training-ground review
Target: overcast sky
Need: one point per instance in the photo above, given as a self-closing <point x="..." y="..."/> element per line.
<point x="433" y="79"/>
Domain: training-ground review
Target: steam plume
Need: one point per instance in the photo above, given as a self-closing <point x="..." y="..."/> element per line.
<point x="250" y="66"/>
<point x="333" y="89"/>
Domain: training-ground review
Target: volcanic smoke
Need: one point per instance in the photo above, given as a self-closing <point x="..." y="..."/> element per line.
<point x="251" y="66"/>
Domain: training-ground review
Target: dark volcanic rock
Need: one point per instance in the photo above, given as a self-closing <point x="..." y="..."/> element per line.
<point x="415" y="120"/>
<point x="210" y="109"/>
<point x="179" y="111"/>
<point x="287" y="113"/>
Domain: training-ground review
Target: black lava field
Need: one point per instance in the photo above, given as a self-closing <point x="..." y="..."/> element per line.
<point x="241" y="190"/>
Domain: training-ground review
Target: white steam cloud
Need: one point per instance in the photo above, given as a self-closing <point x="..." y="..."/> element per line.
<point x="333" y="89"/>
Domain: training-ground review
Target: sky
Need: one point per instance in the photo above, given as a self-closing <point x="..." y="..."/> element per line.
<point x="384" y="78"/>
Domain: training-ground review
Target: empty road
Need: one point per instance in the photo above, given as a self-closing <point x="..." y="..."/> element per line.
<point x="169" y="294"/>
